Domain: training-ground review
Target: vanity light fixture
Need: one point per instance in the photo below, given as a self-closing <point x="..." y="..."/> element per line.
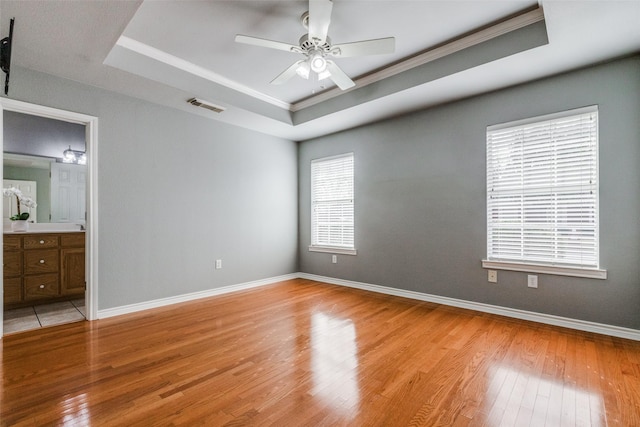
<point x="74" y="156"/>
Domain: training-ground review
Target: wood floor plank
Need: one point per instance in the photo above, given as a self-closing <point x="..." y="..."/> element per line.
<point x="304" y="353"/>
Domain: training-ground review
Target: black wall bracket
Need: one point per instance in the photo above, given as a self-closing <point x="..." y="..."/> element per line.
<point x="5" y="55"/>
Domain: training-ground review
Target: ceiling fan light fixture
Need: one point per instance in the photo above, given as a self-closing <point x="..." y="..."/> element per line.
<point x="318" y="63"/>
<point x="303" y="70"/>
<point x="318" y="50"/>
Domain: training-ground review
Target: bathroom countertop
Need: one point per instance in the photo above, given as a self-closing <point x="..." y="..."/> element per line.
<point x="44" y="231"/>
<point x="35" y="228"/>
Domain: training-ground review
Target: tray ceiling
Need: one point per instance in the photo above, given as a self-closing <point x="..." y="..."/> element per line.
<point x="171" y="51"/>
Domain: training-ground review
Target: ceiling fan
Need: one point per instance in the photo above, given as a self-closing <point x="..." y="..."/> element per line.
<point x="317" y="48"/>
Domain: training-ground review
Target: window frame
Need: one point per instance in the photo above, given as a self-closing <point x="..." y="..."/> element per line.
<point x="528" y="265"/>
<point x="324" y="246"/>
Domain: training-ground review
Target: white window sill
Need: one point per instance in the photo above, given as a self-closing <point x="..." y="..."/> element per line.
<point x="591" y="273"/>
<point x="332" y="250"/>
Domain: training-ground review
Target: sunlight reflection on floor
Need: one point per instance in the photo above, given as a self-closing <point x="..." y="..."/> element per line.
<point x="334" y="361"/>
<point x="76" y="411"/>
<point x="518" y="396"/>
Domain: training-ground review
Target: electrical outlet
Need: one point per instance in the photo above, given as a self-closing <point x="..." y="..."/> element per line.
<point x="532" y="281"/>
<point x="492" y="276"/>
<point x="334" y="259"/>
<point x="218" y="264"/>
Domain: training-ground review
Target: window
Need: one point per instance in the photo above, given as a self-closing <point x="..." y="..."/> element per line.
<point x="542" y="195"/>
<point x="332" y="227"/>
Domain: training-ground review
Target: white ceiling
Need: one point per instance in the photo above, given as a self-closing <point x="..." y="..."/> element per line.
<point x="170" y="51"/>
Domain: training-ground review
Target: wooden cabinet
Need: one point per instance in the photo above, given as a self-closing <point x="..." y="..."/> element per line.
<point x="72" y="279"/>
<point x="12" y="269"/>
<point x="41" y="261"/>
<point x="12" y="263"/>
<point x="12" y="290"/>
<point x="40" y="241"/>
<point x="43" y="267"/>
<point x="42" y="286"/>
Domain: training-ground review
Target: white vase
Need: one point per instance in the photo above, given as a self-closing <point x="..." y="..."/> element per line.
<point x="20" y="225"/>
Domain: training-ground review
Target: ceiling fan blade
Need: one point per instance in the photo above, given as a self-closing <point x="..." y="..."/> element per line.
<point x="319" y="19"/>
<point x="287" y="74"/>
<point x="255" y="41"/>
<point x="365" y="47"/>
<point x="339" y="77"/>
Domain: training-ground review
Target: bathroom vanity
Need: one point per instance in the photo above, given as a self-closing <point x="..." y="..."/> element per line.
<point x="43" y="266"/>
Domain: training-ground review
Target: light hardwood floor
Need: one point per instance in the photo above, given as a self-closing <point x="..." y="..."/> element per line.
<point x="302" y="353"/>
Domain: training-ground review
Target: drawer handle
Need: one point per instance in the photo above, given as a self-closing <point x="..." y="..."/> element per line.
<point x="41" y="261"/>
<point x="42" y="242"/>
<point x="41" y="286"/>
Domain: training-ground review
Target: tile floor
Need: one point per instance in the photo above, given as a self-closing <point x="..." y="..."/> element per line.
<point x="38" y="316"/>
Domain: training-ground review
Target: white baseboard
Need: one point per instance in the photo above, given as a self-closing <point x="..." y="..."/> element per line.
<point x="581" y="325"/>
<point x="146" y="305"/>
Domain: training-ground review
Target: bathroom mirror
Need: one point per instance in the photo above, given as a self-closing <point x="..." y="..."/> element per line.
<point x="59" y="188"/>
<point x="33" y="151"/>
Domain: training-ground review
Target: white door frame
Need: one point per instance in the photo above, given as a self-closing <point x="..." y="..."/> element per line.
<point x="91" y="129"/>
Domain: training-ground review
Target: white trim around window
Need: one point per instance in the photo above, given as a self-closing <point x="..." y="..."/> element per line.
<point x="332" y="205"/>
<point x="543" y="196"/>
<point x="589" y="273"/>
<point x="332" y="250"/>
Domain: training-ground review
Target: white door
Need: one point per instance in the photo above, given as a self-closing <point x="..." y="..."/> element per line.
<point x="68" y="192"/>
<point x="10" y="205"/>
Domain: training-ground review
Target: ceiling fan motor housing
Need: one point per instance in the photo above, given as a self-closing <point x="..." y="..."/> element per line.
<point x="307" y="45"/>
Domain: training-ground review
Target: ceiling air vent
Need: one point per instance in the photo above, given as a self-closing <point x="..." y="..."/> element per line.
<point x="205" y="104"/>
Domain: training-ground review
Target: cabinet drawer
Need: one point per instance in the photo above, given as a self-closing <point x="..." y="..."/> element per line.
<point x="12" y="290"/>
<point x="72" y="240"/>
<point x="45" y="261"/>
<point x="40" y="241"/>
<point x="41" y="286"/>
<point x="11" y="242"/>
<point x="12" y="263"/>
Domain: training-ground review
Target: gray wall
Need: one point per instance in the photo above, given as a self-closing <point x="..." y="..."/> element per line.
<point x="178" y="191"/>
<point x="421" y="209"/>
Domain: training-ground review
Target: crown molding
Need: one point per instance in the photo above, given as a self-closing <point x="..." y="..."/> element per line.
<point x="166" y="58"/>
<point x="477" y="37"/>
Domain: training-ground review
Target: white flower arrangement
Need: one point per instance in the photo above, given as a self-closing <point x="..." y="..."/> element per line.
<point x="21" y="199"/>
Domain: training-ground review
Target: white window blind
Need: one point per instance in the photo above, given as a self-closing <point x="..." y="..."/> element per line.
<point x="332" y="202"/>
<point x="542" y="190"/>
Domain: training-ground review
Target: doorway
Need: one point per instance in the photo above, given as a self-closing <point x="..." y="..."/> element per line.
<point x="90" y="233"/>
